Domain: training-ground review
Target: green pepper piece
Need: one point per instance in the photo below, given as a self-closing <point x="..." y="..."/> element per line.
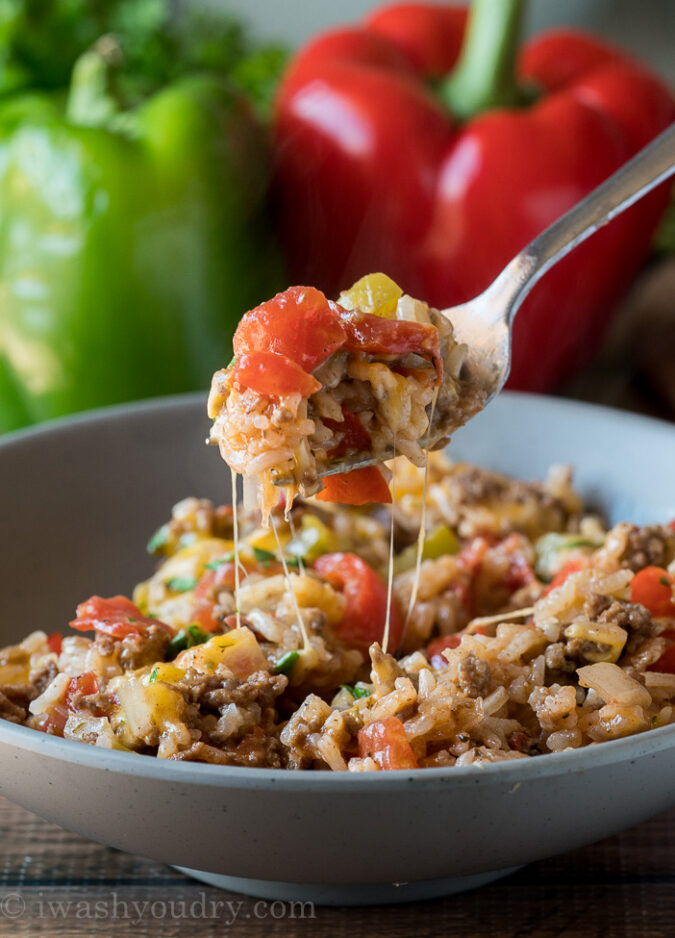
<point x="158" y="540"/>
<point x="357" y="691"/>
<point x="440" y="541"/>
<point x="186" y="638"/>
<point x="181" y="584"/>
<point x="548" y="546"/>
<point x="285" y="664"/>
<point x="131" y="241"/>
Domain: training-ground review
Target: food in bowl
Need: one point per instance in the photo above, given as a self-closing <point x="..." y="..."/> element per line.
<point x="528" y="628"/>
<point x="313" y="381"/>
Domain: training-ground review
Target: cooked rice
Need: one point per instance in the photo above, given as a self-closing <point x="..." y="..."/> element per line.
<point x="518" y="672"/>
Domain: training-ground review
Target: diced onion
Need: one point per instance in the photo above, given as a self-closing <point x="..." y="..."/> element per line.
<point x="614" y="685"/>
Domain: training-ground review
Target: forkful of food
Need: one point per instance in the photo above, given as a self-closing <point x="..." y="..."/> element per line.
<point x="320" y="394"/>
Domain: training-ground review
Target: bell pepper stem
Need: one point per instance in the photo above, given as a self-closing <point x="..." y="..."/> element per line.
<point x="485" y="75"/>
<point x="93" y="100"/>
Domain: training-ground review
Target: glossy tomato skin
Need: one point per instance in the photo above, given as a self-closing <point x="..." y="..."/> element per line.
<point x="443" y="207"/>
<point x="352" y="436"/>
<point x="434" y="650"/>
<point x="117" y="617"/>
<point x="299" y="323"/>
<point x="667" y="660"/>
<point x="652" y="587"/>
<point x="365" y="593"/>
<point x="376" y="335"/>
<point x="385" y="742"/>
<point x="359" y="487"/>
<point x="271" y="375"/>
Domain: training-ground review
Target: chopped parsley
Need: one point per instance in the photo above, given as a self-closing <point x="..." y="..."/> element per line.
<point x="219" y="561"/>
<point x="264" y="557"/>
<point x="356" y="691"/>
<point x="153" y="675"/>
<point x="181" y="584"/>
<point x="285" y="664"/>
<point x="158" y="540"/>
<point x="664" y="581"/>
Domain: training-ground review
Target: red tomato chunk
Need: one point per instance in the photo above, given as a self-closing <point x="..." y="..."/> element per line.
<point x="385" y="742"/>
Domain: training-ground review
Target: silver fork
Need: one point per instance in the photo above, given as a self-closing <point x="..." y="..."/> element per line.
<point x="484" y="324"/>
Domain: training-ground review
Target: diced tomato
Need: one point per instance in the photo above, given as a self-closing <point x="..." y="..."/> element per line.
<point x="434" y="650"/>
<point x="375" y="335"/>
<point x="55" y="642"/>
<point x="469" y="561"/>
<point x="365" y="593"/>
<point x="271" y="375"/>
<point x="53" y="722"/>
<point x="667" y="660"/>
<point x="519" y="572"/>
<point x="574" y="566"/>
<point x="299" y="323"/>
<point x="86" y="683"/>
<point x="385" y="742"/>
<point x="519" y="741"/>
<point x="471" y="555"/>
<point x="362" y="486"/>
<point x="350" y="433"/>
<point x="205" y="595"/>
<point x="653" y="588"/>
<point x="116" y="616"/>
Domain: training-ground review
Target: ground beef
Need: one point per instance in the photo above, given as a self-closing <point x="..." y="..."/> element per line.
<point x="629" y="616"/>
<point x="235" y="717"/>
<point x="256" y="750"/>
<point x="649" y="546"/>
<point x="301" y="733"/>
<point x="98" y="704"/>
<point x="42" y="680"/>
<point x="217" y="690"/>
<point x="596" y="605"/>
<point x="473" y="676"/>
<point x="135" y="651"/>
<point x="475" y="485"/>
<point x="14" y="701"/>
<point x="557" y="660"/>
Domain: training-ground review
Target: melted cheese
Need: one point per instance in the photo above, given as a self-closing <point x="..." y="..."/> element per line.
<point x="235" y="531"/>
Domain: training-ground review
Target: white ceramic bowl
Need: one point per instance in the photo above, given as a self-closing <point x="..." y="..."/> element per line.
<point x="79" y="498"/>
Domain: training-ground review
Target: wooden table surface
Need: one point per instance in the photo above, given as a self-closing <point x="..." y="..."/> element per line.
<point x="57" y="884"/>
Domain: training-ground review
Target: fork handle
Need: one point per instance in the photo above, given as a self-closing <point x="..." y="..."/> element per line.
<point x="650" y="167"/>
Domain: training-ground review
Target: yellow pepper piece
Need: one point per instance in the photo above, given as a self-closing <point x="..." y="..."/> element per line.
<point x="166" y="672"/>
<point x="440" y="541"/>
<point x="603" y="642"/>
<point x="314" y="539"/>
<point x="238" y="650"/>
<point x="374" y="293"/>
<point x="266" y="540"/>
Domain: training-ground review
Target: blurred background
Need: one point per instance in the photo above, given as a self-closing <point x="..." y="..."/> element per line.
<point x="166" y="165"/>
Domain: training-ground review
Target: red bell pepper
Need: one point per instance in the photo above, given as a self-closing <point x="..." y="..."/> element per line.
<point x="117" y="617"/>
<point x="364" y="486"/>
<point x="387" y="159"/>
<point x="365" y="594"/>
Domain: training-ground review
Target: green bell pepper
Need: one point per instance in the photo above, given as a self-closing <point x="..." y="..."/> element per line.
<point x="131" y="240"/>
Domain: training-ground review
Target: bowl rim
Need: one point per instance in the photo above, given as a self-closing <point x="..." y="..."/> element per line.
<point x="189" y="398"/>
<point x="516" y="771"/>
